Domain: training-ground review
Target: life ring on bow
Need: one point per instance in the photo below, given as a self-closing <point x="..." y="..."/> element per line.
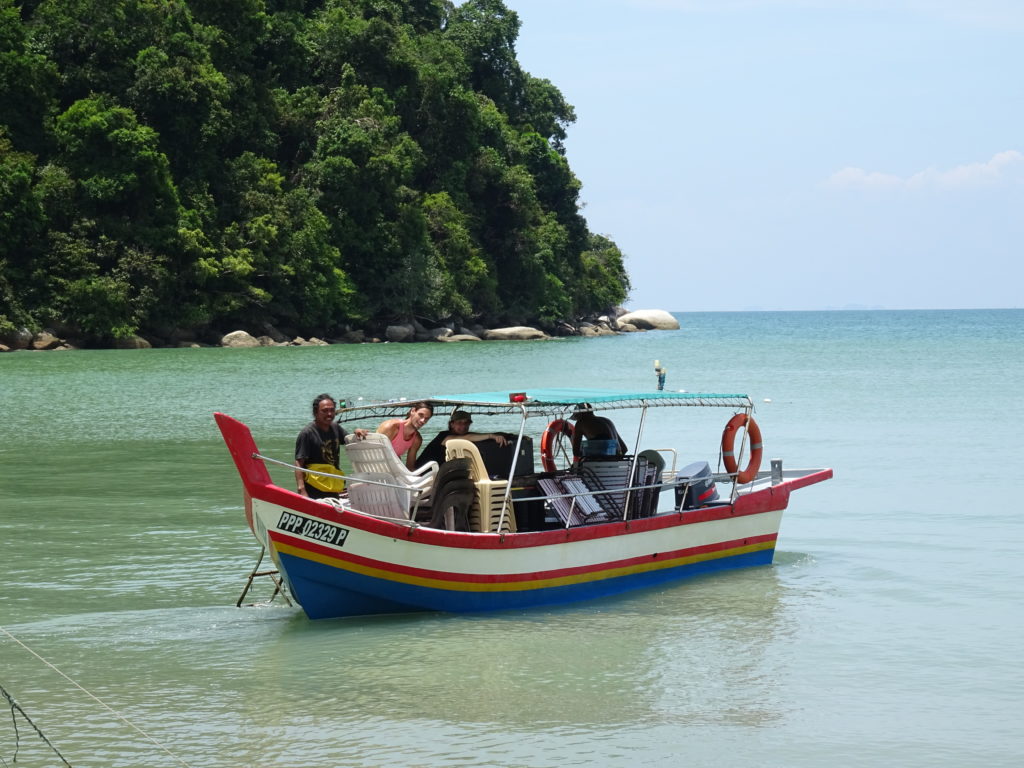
<point x="756" y="447"/>
<point x="553" y="433"/>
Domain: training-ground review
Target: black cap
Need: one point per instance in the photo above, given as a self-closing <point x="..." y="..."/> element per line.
<point x="582" y="408"/>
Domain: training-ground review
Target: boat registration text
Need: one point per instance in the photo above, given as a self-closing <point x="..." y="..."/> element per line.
<point x="312" y="529"/>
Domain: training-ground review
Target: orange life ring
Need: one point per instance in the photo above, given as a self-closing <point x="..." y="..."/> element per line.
<point x="552" y="434"/>
<point x="756" y="446"/>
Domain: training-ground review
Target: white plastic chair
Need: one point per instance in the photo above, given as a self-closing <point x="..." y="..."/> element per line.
<point x="375" y="454"/>
<point x="486" y="513"/>
<point x="381" y="497"/>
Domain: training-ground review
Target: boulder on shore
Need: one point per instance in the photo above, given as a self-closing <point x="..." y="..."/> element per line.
<point x="20" y="338"/>
<point x="400" y="333"/>
<point x="134" y="341"/>
<point x="275" y="335"/>
<point x="238" y="339"/>
<point x="514" y="333"/>
<point x="45" y="340"/>
<point x="650" y="320"/>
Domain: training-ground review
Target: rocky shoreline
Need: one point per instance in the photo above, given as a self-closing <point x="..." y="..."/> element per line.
<point x="606" y="325"/>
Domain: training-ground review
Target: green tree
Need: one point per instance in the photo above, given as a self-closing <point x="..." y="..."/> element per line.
<point x="303" y="162"/>
<point x="275" y="259"/>
<point x="98" y="286"/>
<point x="122" y="178"/>
<point x="363" y="170"/>
<point x="93" y="43"/>
<point x="464" y="284"/>
<point x="486" y="32"/>
<point x="178" y="92"/>
<point x="22" y="228"/>
<point x="605" y="283"/>
<point x="28" y="85"/>
<point x="114" y="212"/>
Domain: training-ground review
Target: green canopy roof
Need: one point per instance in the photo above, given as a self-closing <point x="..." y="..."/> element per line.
<point x="548" y="402"/>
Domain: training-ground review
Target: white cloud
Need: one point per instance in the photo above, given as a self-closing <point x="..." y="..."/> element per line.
<point x="1002" y="166"/>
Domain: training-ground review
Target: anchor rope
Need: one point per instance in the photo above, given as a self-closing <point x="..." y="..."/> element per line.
<point x="92" y="696"/>
<point x="16" y="709"/>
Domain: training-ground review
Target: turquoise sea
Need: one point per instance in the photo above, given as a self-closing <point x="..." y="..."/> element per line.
<point x="889" y="631"/>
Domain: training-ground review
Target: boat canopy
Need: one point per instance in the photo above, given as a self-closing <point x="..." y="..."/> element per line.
<point x="547" y="402"/>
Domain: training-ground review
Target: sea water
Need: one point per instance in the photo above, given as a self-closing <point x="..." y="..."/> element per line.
<point x="889" y="630"/>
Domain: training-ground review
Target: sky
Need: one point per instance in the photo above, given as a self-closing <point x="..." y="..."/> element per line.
<point x="796" y="154"/>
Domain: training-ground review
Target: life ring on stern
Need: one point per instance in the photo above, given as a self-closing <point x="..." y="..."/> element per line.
<point x="756" y="447"/>
<point x="553" y="432"/>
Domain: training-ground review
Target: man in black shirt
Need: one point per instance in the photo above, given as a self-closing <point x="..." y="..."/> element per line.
<point x="318" y="448"/>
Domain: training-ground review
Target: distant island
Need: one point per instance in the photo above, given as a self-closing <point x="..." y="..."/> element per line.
<point x="176" y="171"/>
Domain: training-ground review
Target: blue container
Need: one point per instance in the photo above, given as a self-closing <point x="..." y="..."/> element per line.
<point x="598" y="448"/>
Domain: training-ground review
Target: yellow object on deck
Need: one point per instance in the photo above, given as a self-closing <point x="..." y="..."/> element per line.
<point x="323" y="482"/>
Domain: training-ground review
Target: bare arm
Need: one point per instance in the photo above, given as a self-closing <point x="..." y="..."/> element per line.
<point x="410" y="455"/>
<point x="479" y="437"/>
<point x="577" y="440"/>
<point x="300" y="478"/>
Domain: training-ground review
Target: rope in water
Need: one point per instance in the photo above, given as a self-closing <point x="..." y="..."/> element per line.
<point x="119" y="716"/>
<point x="16" y="710"/>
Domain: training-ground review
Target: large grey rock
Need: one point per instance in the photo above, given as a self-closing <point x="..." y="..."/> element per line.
<point x="399" y="333"/>
<point x="514" y="333"/>
<point x="45" y="340"/>
<point x="273" y="333"/>
<point x="439" y="334"/>
<point x="650" y="319"/>
<point x="132" y="342"/>
<point x="19" y="338"/>
<point x="239" y="339"/>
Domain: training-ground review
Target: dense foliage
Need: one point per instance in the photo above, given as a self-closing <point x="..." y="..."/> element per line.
<point x="310" y="163"/>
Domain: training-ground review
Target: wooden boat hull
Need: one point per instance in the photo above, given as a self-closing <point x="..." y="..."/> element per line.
<point x="343" y="563"/>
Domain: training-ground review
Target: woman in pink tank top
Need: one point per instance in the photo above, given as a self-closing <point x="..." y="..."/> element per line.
<point x="404" y="434"/>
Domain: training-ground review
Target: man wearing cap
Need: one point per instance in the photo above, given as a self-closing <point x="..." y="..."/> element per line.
<point x="458" y="427"/>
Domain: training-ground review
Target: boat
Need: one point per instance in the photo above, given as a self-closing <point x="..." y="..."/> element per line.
<point x="542" y="530"/>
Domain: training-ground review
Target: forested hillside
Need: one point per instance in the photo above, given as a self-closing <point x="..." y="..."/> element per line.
<point x="308" y="163"/>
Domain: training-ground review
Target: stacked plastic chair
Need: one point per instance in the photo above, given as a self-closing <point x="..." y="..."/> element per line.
<point x="375" y="455"/>
<point x="490" y="513"/>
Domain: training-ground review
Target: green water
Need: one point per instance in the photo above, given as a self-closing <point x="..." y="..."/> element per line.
<point x="887" y="632"/>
